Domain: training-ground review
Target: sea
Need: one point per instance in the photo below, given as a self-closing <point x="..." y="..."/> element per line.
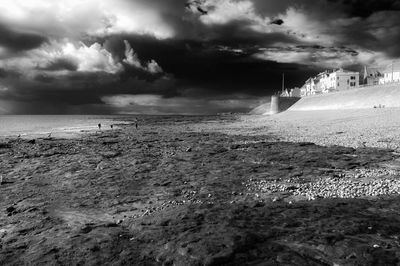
<point x="57" y="125"/>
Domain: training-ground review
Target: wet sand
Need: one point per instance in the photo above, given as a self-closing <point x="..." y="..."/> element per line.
<point x="280" y="190"/>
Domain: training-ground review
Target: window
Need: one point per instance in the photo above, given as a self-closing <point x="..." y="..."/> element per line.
<point x="352" y="77"/>
<point x="352" y="84"/>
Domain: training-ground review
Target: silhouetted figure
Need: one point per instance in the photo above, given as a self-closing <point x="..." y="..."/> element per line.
<point x="136" y="124"/>
<point x="112" y="126"/>
<point x="99" y="125"/>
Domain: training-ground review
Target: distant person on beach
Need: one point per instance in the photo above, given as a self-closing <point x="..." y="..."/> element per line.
<point x="99" y="125"/>
<point x="112" y="126"/>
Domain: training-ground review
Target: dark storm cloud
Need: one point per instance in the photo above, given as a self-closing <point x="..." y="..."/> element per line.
<point x="365" y="8"/>
<point x="3" y="73"/>
<point x="19" y="41"/>
<point x="44" y="78"/>
<point x="81" y="88"/>
<point x="210" y="68"/>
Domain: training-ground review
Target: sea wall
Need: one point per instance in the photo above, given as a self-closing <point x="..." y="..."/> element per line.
<point x="360" y="98"/>
<point x="286" y="102"/>
<point x="274" y="105"/>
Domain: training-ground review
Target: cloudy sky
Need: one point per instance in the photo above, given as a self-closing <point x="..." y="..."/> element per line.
<point x="178" y="56"/>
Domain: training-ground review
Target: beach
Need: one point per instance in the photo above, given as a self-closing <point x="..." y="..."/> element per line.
<point x="297" y="188"/>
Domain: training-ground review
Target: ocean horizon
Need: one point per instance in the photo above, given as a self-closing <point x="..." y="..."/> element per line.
<point x="57" y="125"/>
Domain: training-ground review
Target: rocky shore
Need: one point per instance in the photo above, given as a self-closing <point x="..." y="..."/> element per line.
<point x="198" y="191"/>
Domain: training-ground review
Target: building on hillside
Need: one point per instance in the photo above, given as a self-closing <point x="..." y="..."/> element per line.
<point x="371" y="76"/>
<point x="391" y="73"/>
<point x="330" y="81"/>
<point x="295" y="92"/>
<point x="311" y="87"/>
<point x="307" y="87"/>
<point x="341" y="80"/>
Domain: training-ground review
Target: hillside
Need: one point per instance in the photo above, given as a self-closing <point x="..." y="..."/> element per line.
<point x="361" y="98"/>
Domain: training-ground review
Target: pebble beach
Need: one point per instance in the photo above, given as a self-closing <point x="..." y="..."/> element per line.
<point x="298" y="188"/>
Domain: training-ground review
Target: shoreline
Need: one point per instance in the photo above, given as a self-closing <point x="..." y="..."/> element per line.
<point x="67" y="129"/>
<point x="178" y="190"/>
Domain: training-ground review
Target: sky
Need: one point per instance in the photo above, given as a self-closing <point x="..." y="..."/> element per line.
<point x="180" y="56"/>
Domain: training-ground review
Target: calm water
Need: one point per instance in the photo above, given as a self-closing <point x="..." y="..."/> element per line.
<point x="58" y="125"/>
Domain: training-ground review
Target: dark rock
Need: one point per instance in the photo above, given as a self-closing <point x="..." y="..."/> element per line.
<point x="110" y="154"/>
<point x="164" y="222"/>
<point x="166" y="183"/>
<point x="11" y="210"/>
<point x="86" y="229"/>
<point x="4" y="145"/>
<point x="304" y="144"/>
<point x="110" y="142"/>
<point x="258" y="204"/>
<point x="234" y="147"/>
<point x="291" y="188"/>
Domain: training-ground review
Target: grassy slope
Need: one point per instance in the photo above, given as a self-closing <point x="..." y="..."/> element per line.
<point x="386" y="95"/>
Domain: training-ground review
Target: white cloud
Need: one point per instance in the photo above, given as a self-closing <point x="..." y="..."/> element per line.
<point x="224" y="11"/>
<point x="322" y="56"/>
<point x="153" y="67"/>
<point x="305" y="25"/>
<point x="131" y="57"/>
<point x="220" y="12"/>
<point x="133" y="60"/>
<point x="78" y="18"/>
<point x="93" y="58"/>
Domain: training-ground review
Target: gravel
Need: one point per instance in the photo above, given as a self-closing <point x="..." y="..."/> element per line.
<point x="355" y="184"/>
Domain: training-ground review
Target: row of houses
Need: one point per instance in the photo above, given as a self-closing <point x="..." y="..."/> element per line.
<point x="331" y="81"/>
<point x="390" y="74"/>
<point x="341" y="80"/>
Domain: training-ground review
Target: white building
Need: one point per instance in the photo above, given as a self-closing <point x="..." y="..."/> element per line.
<point x="391" y="73"/>
<point x="309" y="88"/>
<point x="330" y="81"/>
<point x="371" y="76"/>
<point x="341" y="80"/>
